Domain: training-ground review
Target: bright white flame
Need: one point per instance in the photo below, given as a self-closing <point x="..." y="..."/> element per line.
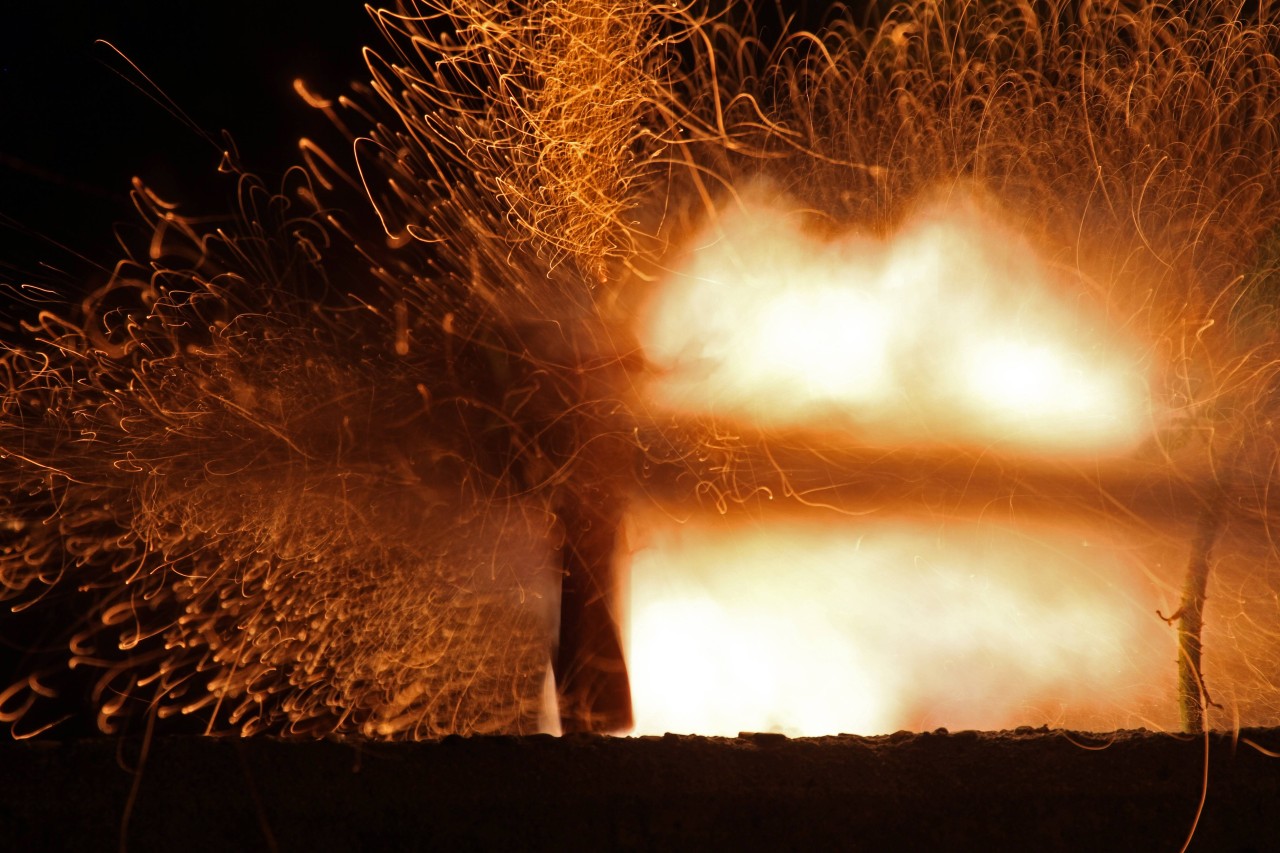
<point x="834" y="341"/>
<point x="815" y="630"/>
<point x="1033" y="383"/>
<point x="953" y="329"/>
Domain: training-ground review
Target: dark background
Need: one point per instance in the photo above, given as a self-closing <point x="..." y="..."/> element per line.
<point x="77" y="123"/>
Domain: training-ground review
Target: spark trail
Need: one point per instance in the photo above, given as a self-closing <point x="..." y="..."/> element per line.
<point x="324" y="469"/>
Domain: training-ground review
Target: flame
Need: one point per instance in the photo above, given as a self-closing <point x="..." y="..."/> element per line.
<point x="950" y="329"/>
<point x="885" y="625"/>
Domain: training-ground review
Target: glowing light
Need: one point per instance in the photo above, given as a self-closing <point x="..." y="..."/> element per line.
<point x="814" y="630"/>
<point x="336" y="518"/>
<point x="1035" y="383"/>
<point x="950" y="330"/>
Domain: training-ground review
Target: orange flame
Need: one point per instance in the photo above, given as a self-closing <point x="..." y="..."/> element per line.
<point x="951" y="331"/>
<point x="885" y="625"/>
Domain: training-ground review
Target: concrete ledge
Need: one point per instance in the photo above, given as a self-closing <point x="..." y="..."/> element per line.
<point x="1029" y="789"/>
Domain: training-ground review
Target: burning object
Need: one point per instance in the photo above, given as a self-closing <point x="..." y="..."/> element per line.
<point x="886" y="626"/>
<point x="312" y="477"/>
<point x="948" y="331"/>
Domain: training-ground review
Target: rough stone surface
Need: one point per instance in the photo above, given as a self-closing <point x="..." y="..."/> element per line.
<point x="1023" y="790"/>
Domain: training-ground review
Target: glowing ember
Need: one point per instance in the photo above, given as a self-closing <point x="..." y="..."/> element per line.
<point x="951" y="329"/>
<point x="882" y="626"/>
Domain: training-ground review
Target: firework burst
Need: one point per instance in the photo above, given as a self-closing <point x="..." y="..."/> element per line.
<point x="357" y="463"/>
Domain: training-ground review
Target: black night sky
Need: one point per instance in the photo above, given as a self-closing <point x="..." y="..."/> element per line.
<point x="80" y="122"/>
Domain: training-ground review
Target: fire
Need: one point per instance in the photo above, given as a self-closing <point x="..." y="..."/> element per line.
<point x="950" y="329"/>
<point x="882" y="625"/>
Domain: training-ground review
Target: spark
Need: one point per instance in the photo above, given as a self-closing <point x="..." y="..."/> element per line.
<point x="321" y="466"/>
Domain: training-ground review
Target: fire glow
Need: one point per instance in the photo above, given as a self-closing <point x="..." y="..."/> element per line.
<point x="877" y="626"/>
<point x="949" y="331"/>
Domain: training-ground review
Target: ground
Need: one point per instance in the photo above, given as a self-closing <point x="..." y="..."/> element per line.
<point x="1031" y="789"/>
